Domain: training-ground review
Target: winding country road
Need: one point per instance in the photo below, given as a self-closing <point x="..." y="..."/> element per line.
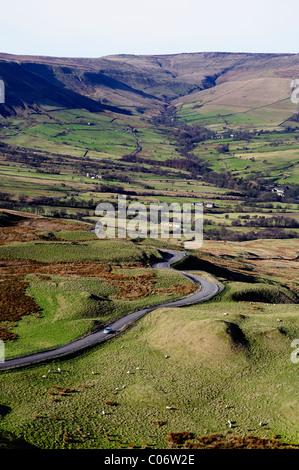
<point x="208" y="290"/>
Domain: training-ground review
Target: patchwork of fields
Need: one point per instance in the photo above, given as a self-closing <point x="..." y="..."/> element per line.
<point x="179" y="376"/>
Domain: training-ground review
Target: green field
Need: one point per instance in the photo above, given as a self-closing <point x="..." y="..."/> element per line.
<point x="228" y="358"/>
<point x="111" y="251"/>
<point x="70" y="308"/>
<point x="207" y="379"/>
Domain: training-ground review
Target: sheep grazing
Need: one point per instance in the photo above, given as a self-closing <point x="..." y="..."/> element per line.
<point x="261" y="423"/>
<point x="117" y="388"/>
<point x="58" y="368"/>
<point x="103" y="412"/>
<point x="166" y="356"/>
<point x="168" y="407"/>
<point x="230" y="423"/>
<point x="124" y="386"/>
<point x="137" y="368"/>
<point x="44" y="376"/>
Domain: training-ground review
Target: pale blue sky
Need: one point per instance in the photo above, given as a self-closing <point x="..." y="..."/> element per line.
<point x="95" y="28"/>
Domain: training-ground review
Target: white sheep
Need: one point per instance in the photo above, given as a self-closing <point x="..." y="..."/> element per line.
<point x="230" y="423"/>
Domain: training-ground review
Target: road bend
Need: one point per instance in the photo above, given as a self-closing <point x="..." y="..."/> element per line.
<point x="208" y="289"/>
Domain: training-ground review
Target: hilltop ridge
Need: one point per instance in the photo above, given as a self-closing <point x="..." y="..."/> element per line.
<point x="127" y="84"/>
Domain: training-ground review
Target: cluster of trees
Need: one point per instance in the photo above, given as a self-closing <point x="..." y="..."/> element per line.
<point x="262" y="221"/>
<point x="5" y="196"/>
<point x="183" y="164"/>
<point x="198" y="168"/>
<point x="59" y="213"/>
<point x="21" y="155"/>
<point x="188" y="136"/>
<point x="63" y="202"/>
<point x="166" y="118"/>
<point x="225" y="234"/>
<point x="33" y="161"/>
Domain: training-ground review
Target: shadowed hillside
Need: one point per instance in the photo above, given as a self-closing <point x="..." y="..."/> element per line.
<point x="129" y="83"/>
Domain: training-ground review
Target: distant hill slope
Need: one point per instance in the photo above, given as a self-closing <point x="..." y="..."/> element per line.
<point x="135" y="84"/>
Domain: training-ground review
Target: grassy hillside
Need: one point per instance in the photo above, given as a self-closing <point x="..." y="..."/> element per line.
<point x="128" y="83"/>
<point x="227" y="359"/>
<point x="217" y="129"/>
<point x="223" y="364"/>
<point x="53" y="293"/>
<point x="253" y="101"/>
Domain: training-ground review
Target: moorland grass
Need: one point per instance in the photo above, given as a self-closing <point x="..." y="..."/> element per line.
<point x="110" y="250"/>
<point x="72" y="306"/>
<point x="207" y="379"/>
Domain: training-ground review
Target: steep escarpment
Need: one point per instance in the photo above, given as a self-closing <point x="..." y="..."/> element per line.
<point x="31" y="87"/>
<point x="127" y="83"/>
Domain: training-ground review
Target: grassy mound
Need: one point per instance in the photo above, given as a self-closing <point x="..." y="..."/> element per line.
<point x="8" y="219"/>
<point x="185" y="373"/>
<point x="261" y="292"/>
<point x="9" y="442"/>
<point x="194" y="263"/>
<point x="220" y="441"/>
<point x="69" y="305"/>
<point x="197" y="340"/>
<point x="111" y="251"/>
<point x="236" y="334"/>
<point x="205" y="380"/>
<point x="240" y="287"/>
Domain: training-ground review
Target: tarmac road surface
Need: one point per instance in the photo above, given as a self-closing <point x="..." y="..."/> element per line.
<point x="208" y="290"/>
